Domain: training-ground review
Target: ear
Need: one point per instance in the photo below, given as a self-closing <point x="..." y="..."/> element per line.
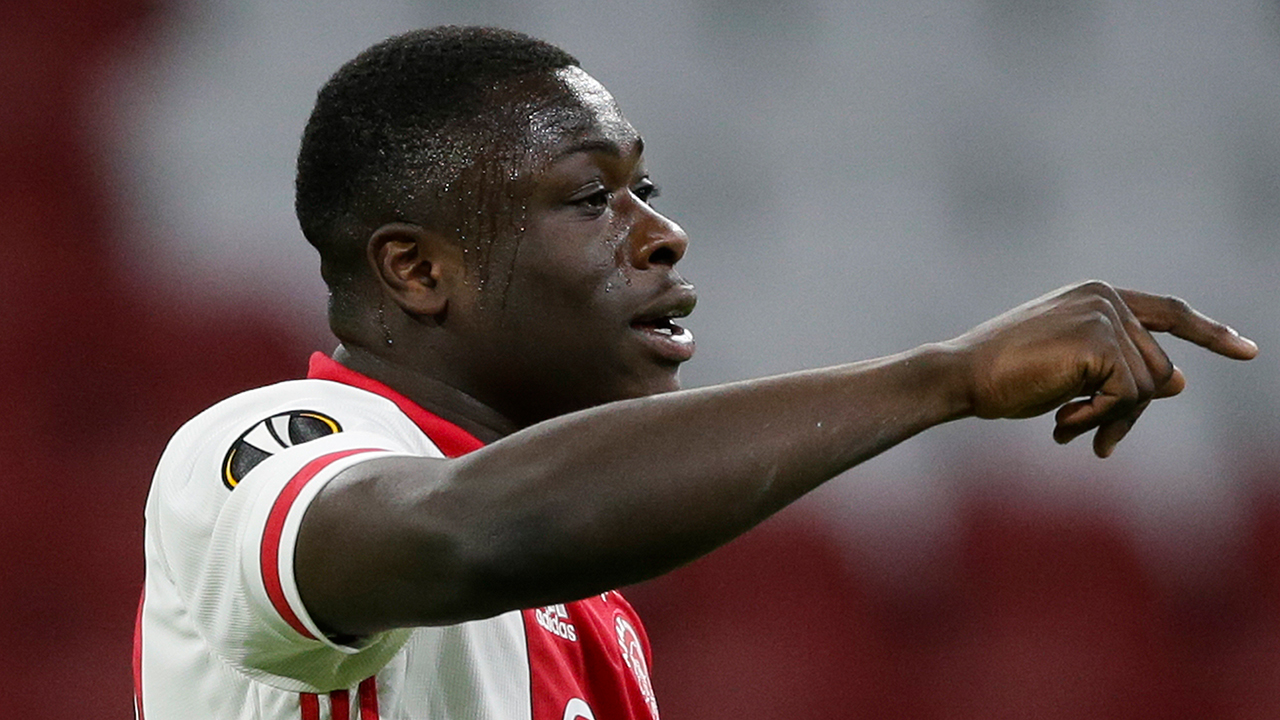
<point x="419" y="268"/>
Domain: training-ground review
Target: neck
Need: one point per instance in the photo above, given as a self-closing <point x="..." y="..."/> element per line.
<point x="432" y="394"/>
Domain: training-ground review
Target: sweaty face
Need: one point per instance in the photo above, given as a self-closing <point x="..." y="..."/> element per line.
<point x="582" y="305"/>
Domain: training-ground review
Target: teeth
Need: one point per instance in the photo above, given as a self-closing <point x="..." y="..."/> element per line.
<point x="666" y="327"/>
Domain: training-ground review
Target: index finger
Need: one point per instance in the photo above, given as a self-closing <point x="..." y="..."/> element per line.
<point x="1163" y="313"/>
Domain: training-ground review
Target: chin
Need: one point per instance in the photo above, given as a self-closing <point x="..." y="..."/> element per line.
<point x="636" y="385"/>
<point x="657" y="386"/>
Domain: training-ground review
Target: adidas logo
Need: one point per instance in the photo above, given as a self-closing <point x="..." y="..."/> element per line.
<point x="554" y="619"/>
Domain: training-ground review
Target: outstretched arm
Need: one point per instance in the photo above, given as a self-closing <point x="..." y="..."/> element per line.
<point x="627" y="491"/>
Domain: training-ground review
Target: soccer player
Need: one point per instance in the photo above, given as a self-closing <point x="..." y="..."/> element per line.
<point x="432" y="524"/>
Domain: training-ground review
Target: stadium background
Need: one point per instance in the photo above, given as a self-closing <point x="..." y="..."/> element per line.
<point x="857" y="178"/>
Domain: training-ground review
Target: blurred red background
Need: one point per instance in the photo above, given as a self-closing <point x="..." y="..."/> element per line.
<point x="1041" y="610"/>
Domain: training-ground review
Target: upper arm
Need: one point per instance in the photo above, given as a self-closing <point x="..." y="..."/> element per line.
<point x="387" y="543"/>
<point x="223" y="520"/>
<point x="228" y="553"/>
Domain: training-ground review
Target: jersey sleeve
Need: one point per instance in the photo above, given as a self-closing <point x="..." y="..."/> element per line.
<point x="229" y="549"/>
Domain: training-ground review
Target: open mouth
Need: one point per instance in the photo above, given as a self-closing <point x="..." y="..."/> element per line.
<point x="666" y="327"/>
<point x="666" y="339"/>
<point x="658" y="328"/>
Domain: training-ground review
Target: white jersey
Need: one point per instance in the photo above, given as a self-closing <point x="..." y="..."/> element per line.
<point x="222" y="632"/>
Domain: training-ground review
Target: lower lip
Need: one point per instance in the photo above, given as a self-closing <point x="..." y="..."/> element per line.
<point x="676" y="348"/>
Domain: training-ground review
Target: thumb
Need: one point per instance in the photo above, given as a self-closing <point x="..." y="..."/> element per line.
<point x="1177" y="383"/>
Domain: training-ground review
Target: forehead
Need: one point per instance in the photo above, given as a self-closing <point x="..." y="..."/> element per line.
<point x="572" y="110"/>
<point x="536" y="124"/>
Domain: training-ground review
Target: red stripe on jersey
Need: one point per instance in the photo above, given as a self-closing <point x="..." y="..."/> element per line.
<point x="271" y="536"/>
<point x="137" y="659"/>
<point x="369" y="698"/>
<point x="340" y="705"/>
<point x="452" y="440"/>
<point x="310" y="706"/>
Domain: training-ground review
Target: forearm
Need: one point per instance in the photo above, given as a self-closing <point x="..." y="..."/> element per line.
<point x="625" y="492"/>
<point x="671" y="476"/>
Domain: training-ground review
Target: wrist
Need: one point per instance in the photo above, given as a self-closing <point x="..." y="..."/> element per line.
<point x="946" y="372"/>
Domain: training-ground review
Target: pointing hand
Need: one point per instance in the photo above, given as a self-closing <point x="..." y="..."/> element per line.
<point x="1088" y="351"/>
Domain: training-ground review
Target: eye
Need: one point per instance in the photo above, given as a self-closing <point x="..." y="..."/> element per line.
<point x="595" y="202"/>
<point x="598" y="199"/>
<point x="646" y="191"/>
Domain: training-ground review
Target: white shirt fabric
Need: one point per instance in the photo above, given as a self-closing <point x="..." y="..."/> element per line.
<point x="223" y="633"/>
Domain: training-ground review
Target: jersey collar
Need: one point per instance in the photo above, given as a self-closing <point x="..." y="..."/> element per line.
<point x="451" y="439"/>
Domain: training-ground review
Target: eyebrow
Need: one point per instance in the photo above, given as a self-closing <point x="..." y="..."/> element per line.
<point x="608" y="147"/>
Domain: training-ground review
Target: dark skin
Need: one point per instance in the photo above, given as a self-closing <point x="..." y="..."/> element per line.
<point x="599" y="471"/>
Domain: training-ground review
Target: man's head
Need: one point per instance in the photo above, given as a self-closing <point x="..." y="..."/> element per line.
<point x="511" y="254"/>
<point x="394" y="130"/>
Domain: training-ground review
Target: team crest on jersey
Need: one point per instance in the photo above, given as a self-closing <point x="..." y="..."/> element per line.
<point x="270" y="436"/>
<point x="633" y="656"/>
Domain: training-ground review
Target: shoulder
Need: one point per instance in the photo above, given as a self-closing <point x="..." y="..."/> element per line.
<point x="224" y="509"/>
<point x="216" y="449"/>
<point x="322" y="398"/>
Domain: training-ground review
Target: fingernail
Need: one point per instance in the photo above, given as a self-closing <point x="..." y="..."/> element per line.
<point x="1236" y="334"/>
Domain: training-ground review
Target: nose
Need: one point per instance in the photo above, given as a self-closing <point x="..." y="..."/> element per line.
<point x="655" y="239"/>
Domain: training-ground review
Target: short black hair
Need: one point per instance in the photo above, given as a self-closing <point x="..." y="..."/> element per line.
<point x="395" y="126"/>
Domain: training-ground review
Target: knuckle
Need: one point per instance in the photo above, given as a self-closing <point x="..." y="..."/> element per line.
<point x="1225" y="333"/>
<point x="1177" y="305"/>
<point x="1099" y="302"/>
<point x="1125" y="405"/>
<point x="1097" y="287"/>
<point x="1099" y="320"/>
<point x="1102" y="306"/>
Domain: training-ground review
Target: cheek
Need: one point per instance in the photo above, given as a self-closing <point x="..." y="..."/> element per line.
<point x="558" y="303"/>
<point x="583" y="293"/>
<point x="569" y="271"/>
